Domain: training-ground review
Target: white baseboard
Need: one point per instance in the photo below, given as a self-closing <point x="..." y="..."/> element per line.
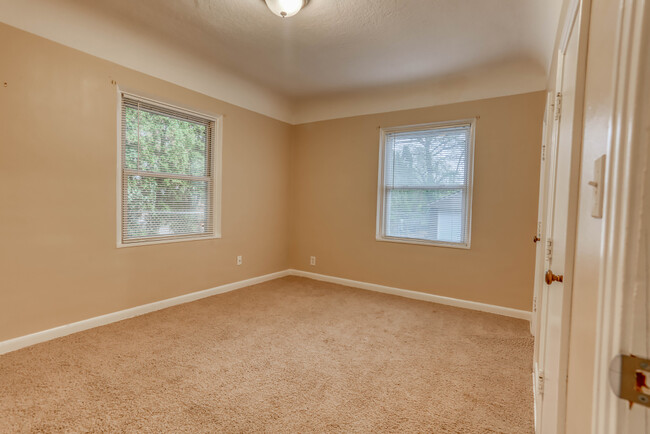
<point x="64" y="330"/>
<point x="473" y="305"/>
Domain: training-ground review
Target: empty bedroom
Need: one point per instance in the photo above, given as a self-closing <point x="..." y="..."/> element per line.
<point x="324" y="216"/>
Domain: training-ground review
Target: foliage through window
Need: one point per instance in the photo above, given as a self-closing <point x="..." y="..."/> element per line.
<point x="425" y="185"/>
<point x="167" y="172"/>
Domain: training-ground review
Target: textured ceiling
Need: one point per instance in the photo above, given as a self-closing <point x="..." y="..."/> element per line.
<point x="342" y="45"/>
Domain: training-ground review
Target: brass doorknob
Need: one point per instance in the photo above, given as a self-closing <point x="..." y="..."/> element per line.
<point x="550" y="277"/>
<point x="536" y="239"/>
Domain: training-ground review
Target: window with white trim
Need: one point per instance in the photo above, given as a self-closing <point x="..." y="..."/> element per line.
<point x="167" y="173"/>
<point x="425" y="184"/>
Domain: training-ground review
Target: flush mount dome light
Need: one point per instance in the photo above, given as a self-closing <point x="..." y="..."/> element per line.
<point x="286" y="8"/>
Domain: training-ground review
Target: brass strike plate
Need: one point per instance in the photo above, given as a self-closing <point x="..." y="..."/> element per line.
<point x="629" y="377"/>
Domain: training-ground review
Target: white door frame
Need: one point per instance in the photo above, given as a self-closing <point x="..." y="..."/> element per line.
<point x="576" y="19"/>
<point x="627" y="185"/>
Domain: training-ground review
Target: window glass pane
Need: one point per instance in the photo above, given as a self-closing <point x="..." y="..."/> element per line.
<point x="427" y="183"/>
<point x="434" y="215"/>
<point x="159" y="207"/>
<point x="164" y="144"/>
<point x="435" y="157"/>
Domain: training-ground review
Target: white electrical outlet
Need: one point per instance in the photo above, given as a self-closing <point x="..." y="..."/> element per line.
<point x="312" y="260"/>
<point x="239" y="260"/>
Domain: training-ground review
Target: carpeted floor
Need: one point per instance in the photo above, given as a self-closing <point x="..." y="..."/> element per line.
<point x="291" y="355"/>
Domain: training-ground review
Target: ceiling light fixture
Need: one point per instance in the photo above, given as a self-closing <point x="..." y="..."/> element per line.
<point x="286" y="8"/>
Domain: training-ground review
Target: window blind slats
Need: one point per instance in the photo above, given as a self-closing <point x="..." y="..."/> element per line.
<point x="163" y="109"/>
<point x="426" y="183"/>
<point x="167" y="184"/>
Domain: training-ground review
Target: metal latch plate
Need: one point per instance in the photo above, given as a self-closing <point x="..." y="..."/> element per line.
<point x="629" y="377"/>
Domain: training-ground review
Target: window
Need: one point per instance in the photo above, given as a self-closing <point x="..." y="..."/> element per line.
<point x="425" y="184"/>
<point x="169" y="163"/>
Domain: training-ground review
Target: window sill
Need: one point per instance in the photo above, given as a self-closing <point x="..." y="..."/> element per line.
<point x="120" y="244"/>
<point x="463" y="246"/>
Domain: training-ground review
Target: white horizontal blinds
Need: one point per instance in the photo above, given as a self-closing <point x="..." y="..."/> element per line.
<point x="167" y="181"/>
<point x="426" y="183"/>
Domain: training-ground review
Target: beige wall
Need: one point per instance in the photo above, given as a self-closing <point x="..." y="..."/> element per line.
<point x="334" y="195"/>
<point x="288" y="192"/>
<point x="598" y="106"/>
<point x="97" y="29"/>
<point x="58" y="257"/>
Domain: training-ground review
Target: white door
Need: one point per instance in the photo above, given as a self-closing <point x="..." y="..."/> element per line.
<point x="563" y="158"/>
<point x="540" y="234"/>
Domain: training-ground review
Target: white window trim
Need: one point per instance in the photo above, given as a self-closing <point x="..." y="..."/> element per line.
<point x="217" y="133"/>
<point x="380" y="228"/>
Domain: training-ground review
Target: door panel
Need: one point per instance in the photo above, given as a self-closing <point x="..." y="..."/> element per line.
<point x="538" y="303"/>
<point x="558" y="293"/>
<point x="561" y="208"/>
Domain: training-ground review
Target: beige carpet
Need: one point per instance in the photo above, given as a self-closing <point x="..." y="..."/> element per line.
<point x="291" y="355"/>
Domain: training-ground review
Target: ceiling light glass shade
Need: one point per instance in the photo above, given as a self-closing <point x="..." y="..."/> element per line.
<point x="286" y="8"/>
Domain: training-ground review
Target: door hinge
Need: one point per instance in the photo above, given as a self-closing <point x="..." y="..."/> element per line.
<point x="540" y="383"/>
<point x="558" y="106"/>
<point x="534" y="304"/>
<point x="549" y="249"/>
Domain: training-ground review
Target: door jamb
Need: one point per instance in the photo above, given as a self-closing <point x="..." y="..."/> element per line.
<point x="627" y="184"/>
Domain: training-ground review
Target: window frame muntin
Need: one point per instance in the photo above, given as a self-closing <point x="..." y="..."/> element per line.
<point x="380" y="228"/>
<point x="214" y="153"/>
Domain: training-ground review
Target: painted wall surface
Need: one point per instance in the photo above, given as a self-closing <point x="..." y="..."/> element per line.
<point x="334" y="198"/>
<point x="58" y="149"/>
<point x="289" y="192"/>
<point x="82" y="25"/>
<point x="584" y="309"/>
<point x="245" y="35"/>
